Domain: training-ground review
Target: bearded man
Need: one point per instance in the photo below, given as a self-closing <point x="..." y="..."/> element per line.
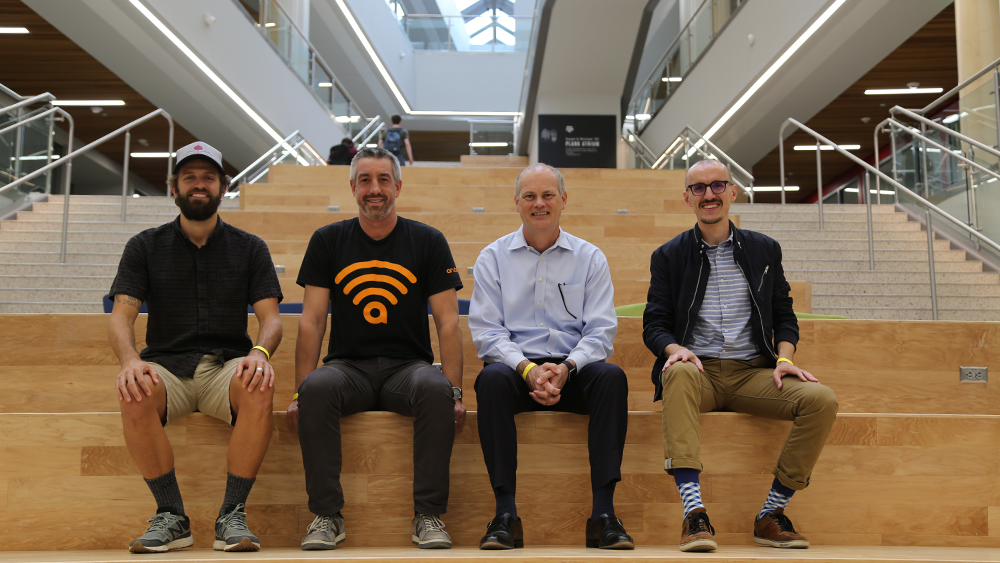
<point x="196" y="276"/>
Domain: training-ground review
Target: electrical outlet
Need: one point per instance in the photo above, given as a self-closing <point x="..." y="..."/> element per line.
<point x="973" y="374"/>
<point x="333" y="208"/>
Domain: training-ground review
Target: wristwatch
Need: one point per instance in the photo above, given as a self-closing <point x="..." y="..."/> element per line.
<point x="456" y="393"/>
<point x="572" y="369"/>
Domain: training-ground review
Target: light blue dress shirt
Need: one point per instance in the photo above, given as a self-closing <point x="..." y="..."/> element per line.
<point x="524" y="303"/>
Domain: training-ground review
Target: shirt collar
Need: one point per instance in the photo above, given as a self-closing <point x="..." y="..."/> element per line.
<point x="218" y="229"/>
<point x="518" y="240"/>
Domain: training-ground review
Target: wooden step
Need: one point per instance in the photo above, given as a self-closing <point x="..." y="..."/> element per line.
<point x="463" y="198"/>
<point x="493" y="161"/>
<point x="63" y="363"/>
<point x="882" y="480"/>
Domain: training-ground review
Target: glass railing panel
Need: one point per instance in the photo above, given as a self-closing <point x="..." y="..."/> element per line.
<point x="701" y="29"/>
<point x="491" y="137"/>
<point x="497" y="33"/>
<point x="977" y="117"/>
<point x="33" y="154"/>
<point x="322" y="86"/>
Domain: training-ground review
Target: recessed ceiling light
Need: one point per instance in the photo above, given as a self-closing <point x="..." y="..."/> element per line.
<point x="672" y="79"/>
<point x="773" y="188"/>
<point x="826" y="147"/>
<point x="270" y="24"/>
<point x="325" y="84"/>
<point x="884" y="91"/>
<point x="98" y="103"/>
<point x="151" y="154"/>
<point x="13" y="30"/>
<point x="488" y="144"/>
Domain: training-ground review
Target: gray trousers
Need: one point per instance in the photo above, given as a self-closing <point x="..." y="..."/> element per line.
<point x="344" y="387"/>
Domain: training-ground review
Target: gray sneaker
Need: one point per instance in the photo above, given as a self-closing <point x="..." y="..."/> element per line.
<point x="232" y="534"/>
<point x="325" y="532"/>
<point x="428" y="532"/>
<point x="166" y="532"/>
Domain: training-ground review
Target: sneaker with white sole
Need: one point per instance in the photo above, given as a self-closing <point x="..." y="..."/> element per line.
<point x="325" y="532"/>
<point x="166" y="532"/>
<point x="232" y="534"/>
<point x="428" y="532"/>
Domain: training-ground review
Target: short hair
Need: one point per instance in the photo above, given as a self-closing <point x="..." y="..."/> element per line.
<point x="347" y="141"/>
<point x="376" y="153"/>
<point x="396" y="120"/>
<point x="225" y="180"/>
<point x="539" y="166"/>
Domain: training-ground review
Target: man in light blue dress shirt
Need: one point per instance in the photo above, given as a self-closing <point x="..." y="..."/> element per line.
<point x="542" y="317"/>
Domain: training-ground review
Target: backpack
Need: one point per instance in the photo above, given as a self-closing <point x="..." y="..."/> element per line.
<point x="393" y="141"/>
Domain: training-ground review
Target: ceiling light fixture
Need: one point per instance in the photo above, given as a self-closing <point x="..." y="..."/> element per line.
<point x="270" y="24"/>
<point x="770" y="71"/>
<point x="325" y="85"/>
<point x="13" y="30"/>
<point x="347" y="118"/>
<point x="150" y="154"/>
<point x="756" y="189"/>
<point x="485" y="144"/>
<point x="885" y="91"/>
<point x="826" y="147"/>
<point x="672" y="79"/>
<point x="98" y="103"/>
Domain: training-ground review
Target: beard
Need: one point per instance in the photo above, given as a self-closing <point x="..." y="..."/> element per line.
<point x="198" y="210"/>
<point x="376" y="214"/>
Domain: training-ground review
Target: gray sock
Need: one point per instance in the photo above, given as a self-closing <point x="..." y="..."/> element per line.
<point x="167" y="493"/>
<point x="237" y="491"/>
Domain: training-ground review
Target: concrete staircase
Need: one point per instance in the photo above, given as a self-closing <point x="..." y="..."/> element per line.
<point x="31" y="278"/>
<point x="835" y="260"/>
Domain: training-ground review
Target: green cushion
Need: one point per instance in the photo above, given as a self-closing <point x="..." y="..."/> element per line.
<point x="636" y="310"/>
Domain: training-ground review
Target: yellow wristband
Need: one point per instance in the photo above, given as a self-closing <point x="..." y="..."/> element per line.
<point x="295" y="397"/>
<point x="527" y="368"/>
<point x="261" y="348"/>
<point x="785" y="360"/>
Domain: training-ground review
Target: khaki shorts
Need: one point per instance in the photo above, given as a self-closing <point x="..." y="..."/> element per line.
<point x="207" y="392"/>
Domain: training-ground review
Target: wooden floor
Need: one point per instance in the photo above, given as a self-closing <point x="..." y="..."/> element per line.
<point x="348" y="554"/>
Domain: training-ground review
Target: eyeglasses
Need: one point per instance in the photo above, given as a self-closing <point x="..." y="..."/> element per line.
<point x="718" y="187"/>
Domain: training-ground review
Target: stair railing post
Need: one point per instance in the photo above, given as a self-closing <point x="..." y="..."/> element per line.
<point x="819" y="184"/>
<point x="930" y="262"/>
<point x="128" y="142"/>
<point x="871" y="239"/>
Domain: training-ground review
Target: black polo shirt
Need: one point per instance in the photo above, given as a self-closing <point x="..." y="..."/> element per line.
<point x="196" y="297"/>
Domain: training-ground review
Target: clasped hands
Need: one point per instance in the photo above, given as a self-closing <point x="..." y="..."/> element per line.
<point x="546" y="382"/>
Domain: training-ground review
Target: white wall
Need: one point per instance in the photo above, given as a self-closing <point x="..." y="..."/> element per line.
<point x="467" y="81"/>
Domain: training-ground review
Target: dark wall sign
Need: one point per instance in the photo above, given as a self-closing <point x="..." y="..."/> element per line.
<point x="577" y="141"/>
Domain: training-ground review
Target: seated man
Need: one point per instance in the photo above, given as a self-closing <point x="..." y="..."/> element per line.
<point x="720" y="322"/>
<point x="543" y="319"/>
<point x="378" y="273"/>
<point x="196" y="275"/>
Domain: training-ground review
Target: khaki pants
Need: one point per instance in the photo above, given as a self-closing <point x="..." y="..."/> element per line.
<point x="207" y="391"/>
<point x="745" y="386"/>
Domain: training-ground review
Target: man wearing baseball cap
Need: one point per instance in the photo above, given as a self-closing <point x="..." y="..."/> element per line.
<point x="196" y="276"/>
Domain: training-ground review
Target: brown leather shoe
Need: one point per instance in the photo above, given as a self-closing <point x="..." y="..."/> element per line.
<point x="776" y="530"/>
<point x="697" y="532"/>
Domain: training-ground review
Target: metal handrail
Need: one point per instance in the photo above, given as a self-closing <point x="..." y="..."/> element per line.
<point x="941" y="99"/>
<point x="24" y="122"/>
<point x="263" y="157"/>
<point x="637" y="150"/>
<point x="315" y="55"/>
<point x="900" y="188"/>
<point x="373" y="121"/>
<point x="69" y="148"/>
<point x="945" y="130"/>
<point x="375" y="132"/>
<point x="683" y="142"/>
<point x="68" y="161"/>
<point x="27" y="102"/>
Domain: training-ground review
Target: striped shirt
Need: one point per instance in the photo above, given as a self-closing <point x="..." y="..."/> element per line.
<point x="722" y="329"/>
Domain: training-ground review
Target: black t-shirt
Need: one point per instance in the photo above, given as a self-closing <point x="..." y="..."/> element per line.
<point x="196" y="297"/>
<point x="379" y="288"/>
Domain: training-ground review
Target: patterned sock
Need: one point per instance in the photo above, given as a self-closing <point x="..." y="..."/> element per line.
<point x="690" y="489"/>
<point x="505" y="503"/>
<point x="777" y="498"/>
<point x="604" y="501"/>
<point x="237" y="491"/>
<point x="167" y="493"/>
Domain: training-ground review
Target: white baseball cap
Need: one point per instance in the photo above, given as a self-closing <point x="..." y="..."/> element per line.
<point x="199" y="149"/>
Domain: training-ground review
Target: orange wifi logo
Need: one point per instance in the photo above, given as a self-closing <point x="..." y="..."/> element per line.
<point x="366" y="292"/>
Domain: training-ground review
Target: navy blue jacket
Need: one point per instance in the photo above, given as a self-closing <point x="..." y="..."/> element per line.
<point x="678" y="277"/>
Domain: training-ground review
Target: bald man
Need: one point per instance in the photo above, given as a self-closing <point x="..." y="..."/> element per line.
<point x="719" y="320"/>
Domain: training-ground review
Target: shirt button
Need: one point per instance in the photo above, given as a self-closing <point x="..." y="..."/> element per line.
<point x="541" y="324"/>
<point x="539" y="279"/>
<point x="539" y="303"/>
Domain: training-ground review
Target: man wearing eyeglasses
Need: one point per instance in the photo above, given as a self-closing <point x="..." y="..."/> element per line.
<point x="719" y="319"/>
<point x="542" y="318"/>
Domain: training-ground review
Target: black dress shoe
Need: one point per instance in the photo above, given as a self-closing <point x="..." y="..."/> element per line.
<point x="608" y="532"/>
<point x="503" y="532"/>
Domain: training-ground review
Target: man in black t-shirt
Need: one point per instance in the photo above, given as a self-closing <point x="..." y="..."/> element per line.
<point x="196" y="276"/>
<point x="378" y="273"/>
